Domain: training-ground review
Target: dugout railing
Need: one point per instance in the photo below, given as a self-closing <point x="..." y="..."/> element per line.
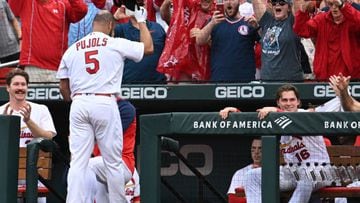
<point x="241" y="124"/>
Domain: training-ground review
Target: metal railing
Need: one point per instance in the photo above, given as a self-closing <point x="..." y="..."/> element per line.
<point x="7" y="64"/>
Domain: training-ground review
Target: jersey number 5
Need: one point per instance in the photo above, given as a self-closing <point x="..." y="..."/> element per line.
<point x="90" y="58"/>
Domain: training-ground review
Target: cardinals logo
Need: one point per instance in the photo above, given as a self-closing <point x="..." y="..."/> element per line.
<point x="243" y="30"/>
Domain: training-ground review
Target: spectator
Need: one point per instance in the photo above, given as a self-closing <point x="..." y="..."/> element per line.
<point x="36" y="120"/>
<point x="182" y="58"/>
<point x="83" y="27"/>
<point x="145" y="70"/>
<point x="232" y="45"/>
<point x="336" y="33"/>
<point x="10" y="34"/>
<point x="96" y="164"/>
<point x="314" y="150"/>
<point x="238" y="179"/>
<point x="93" y="93"/>
<point x="281" y="58"/>
<point x="153" y="8"/>
<point x="166" y="10"/>
<point x="45" y="26"/>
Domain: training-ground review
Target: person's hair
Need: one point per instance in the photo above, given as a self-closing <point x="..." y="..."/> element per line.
<point x="287" y="88"/>
<point x="15" y="72"/>
<point x="256" y="138"/>
<point x="104" y="17"/>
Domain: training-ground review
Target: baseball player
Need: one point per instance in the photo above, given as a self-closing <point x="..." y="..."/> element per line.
<point x="36" y="120"/>
<point x="90" y="75"/>
<point x="97" y="180"/>
<point x="340" y="84"/>
<point x="238" y="179"/>
<point x="295" y="149"/>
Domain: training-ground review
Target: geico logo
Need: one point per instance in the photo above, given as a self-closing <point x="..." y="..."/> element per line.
<point x="327" y="91"/>
<point x="143" y="92"/>
<point x="240" y="92"/>
<point x="44" y="94"/>
<point x="205" y="152"/>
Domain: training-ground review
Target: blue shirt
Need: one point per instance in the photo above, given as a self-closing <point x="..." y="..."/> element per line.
<point x="232" y="51"/>
<point x="84" y="26"/>
<point x="145" y="70"/>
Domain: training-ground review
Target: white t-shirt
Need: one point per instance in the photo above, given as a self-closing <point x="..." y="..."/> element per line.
<point x="39" y="114"/>
<point x="95" y="63"/>
<point x="238" y="179"/>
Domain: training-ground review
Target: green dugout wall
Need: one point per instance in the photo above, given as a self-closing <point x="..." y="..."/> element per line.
<point x="153" y="126"/>
<point x="9" y="153"/>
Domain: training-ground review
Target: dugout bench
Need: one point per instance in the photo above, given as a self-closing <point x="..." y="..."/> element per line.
<point x="339" y="155"/>
<point x="37" y="157"/>
<point x="44" y="166"/>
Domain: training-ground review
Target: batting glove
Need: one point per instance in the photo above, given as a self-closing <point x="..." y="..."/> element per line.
<point x="140" y="14"/>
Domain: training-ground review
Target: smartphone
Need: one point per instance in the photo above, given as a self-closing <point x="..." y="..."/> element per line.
<point x="220" y="7"/>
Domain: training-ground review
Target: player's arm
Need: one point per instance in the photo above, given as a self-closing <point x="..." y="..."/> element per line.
<point x="35" y="129"/>
<point x="224" y="113"/>
<point x="340" y="85"/>
<point x="263" y="112"/>
<point x="145" y="36"/>
<point x="65" y="89"/>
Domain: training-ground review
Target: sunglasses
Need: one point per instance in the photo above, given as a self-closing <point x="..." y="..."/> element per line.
<point x="281" y="3"/>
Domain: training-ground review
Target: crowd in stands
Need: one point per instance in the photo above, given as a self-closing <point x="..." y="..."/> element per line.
<point x="195" y="40"/>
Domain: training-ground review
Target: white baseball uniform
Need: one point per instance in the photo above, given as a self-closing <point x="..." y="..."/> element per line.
<point x="41" y="116"/>
<point x="238" y="179"/>
<point x="296" y="149"/>
<point x="94" y="67"/>
<point x="97" y="183"/>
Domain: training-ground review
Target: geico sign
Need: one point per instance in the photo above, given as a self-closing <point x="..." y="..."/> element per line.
<point x="239" y="92"/>
<point x="143" y="92"/>
<point x="327" y="91"/>
<point x="46" y="93"/>
<point x="207" y="163"/>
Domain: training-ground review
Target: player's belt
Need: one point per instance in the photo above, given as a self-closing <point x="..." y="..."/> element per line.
<point x="94" y="94"/>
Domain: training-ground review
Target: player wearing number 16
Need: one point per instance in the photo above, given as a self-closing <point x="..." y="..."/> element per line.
<point x="90" y="75"/>
<point x="298" y="150"/>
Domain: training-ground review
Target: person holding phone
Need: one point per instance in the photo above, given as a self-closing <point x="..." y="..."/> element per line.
<point x="232" y="39"/>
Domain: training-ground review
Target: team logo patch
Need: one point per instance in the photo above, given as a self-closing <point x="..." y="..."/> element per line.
<point x="243" y="29"/>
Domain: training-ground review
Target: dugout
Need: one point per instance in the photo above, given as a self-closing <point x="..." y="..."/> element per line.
<point x="239" y="124"/>
<point x="152" y="98"/>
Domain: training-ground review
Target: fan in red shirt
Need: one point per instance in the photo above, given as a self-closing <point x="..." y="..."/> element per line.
<point x="45" y="27"/>
<point x="336" y="33"/>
